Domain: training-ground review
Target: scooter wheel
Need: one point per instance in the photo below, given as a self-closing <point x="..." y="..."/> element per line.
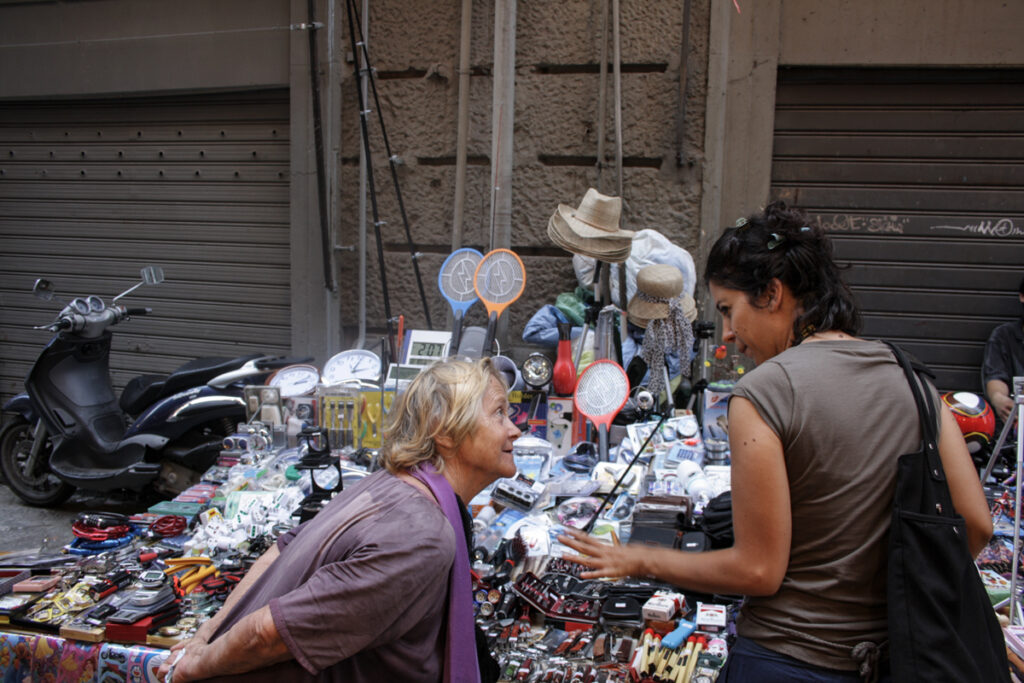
<point x="41" y="487"/>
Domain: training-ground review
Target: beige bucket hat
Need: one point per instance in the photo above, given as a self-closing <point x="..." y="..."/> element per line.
<point x="657" y="285"/>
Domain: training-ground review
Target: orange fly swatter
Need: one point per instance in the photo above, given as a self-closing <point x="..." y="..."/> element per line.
<point x="499" y="280"/>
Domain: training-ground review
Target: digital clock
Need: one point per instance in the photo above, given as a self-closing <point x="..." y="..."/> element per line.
<point x="423" y="347"/>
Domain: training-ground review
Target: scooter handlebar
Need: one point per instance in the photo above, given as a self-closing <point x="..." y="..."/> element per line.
<point x="138" y="311"/>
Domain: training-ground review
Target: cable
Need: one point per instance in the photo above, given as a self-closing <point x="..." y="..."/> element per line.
<point x="394" y="171"/>
<point x="318" y="144"/>
<point x="91" y="533"/>
<point x="369" y="174"/>
<point x="169" y="525"/>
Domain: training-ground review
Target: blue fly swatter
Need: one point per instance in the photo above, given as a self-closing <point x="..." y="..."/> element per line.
<point x="456" y="284"/>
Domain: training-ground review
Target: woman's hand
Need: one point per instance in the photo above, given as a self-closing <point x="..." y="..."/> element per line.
<point x="184" y="657"/>
<point x="604" y="560"/>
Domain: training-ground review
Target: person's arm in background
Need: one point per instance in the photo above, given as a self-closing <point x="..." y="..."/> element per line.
<point x="964" y="483"/>
<point x="996" y="368"/>
<point x="998" y="393"/>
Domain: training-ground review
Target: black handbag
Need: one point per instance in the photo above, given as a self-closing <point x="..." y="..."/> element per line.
<point x="941" y="623"/>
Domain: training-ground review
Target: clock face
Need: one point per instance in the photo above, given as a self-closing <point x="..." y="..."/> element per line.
<point x="354" y="364"/>
<point x="295" y="380"/>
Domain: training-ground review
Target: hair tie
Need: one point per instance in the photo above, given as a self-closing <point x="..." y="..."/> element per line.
<point x="741" y="222"/>
<point x="777" y="239"/>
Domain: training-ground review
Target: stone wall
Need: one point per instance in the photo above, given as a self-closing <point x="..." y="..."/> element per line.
<point x="414" y="48"/>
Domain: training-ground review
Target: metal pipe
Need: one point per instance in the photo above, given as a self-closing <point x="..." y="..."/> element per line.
<point x="617" y="71"/>
<point x="364" y="84"/>
<point x="502" y="120"/>
<point x="602" y="93"/>
<point x="684" y="56"/>
<point x="332" y="309"/>
<point x="462" y="135"/>
<point x="326" y="246"/>
<point x="1018" y="411"/>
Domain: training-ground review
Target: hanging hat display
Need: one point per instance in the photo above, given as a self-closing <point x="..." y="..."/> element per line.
<point x="660" y="306"/>
<point x="592" y="229"/>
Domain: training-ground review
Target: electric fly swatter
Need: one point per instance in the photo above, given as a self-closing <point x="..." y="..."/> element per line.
<point x="499" y="280"/>
<point x="456" y="284"/>
<point x="600" y="394"/>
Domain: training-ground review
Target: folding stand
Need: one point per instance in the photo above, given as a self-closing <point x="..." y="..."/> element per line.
<point x="1016" y="416"/>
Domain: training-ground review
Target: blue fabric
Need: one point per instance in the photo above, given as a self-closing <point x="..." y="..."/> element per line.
<point x="748" y="662"/>
<point x="542" y="329"/>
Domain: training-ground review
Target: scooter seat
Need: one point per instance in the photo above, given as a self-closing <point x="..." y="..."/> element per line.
<point x="200" y="371"/>
<point x="141" y="392"/>
<point x="144" y="390"/>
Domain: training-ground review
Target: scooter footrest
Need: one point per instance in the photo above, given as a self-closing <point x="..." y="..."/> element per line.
<point x="133" y="477"/>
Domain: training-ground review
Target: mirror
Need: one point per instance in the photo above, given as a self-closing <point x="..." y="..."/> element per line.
<point x="152" y="275"/>
<point x="43" y="289"/>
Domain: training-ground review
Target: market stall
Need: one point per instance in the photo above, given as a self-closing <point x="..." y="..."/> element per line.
<point x="618" y="441"/>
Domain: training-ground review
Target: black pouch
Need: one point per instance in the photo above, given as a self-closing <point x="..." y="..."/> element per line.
<point x="941" y="623"/>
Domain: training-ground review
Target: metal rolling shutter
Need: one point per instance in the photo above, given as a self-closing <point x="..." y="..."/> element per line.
<point x="91" y="191"/>
<point x="918" y="176"/>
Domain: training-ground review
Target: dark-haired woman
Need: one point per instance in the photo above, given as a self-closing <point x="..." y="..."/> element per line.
<point x="815" y="430"/>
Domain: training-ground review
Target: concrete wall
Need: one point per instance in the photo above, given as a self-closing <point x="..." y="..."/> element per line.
<point x="415" y="49"/>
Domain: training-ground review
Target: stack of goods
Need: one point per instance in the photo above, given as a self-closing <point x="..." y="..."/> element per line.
<point x="592" y="229"/>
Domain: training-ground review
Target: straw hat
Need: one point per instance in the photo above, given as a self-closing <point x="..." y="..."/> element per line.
<point x="657" y="285"/>
<point x="592" y="229"/>
<point x="596" y="216"/>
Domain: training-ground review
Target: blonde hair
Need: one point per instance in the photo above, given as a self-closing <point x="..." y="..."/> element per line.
<point x="445" y="399"/>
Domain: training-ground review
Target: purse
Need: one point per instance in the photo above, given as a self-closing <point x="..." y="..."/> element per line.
<point x="941" y="623"/>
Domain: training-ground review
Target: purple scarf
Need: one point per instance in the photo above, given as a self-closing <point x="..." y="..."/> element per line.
<point x="460" y="650"/>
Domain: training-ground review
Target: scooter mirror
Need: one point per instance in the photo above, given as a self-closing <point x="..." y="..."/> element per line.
<point x="152" y="275"/>
<point x="43" y="289"/>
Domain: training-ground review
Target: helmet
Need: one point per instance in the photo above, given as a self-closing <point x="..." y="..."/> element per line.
<point x="975" y="417"/>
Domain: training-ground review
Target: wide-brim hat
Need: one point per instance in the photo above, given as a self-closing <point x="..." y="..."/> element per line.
<point x="597" y="216"/>
<point x="615" y="249"/>
<point x="657" y="285"/>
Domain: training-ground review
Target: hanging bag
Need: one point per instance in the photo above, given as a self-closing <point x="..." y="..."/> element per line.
<point x="941" y="623"/>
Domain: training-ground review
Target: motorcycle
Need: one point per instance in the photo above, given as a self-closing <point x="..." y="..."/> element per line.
<point x="69" y="430"/>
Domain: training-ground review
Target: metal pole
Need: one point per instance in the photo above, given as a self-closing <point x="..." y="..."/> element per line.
<point x="462" y="133"/>
<point x="1018" y="391"/>
<point x="602" y="94"/>
<point x="502" y="120"/>
<point x="364" y="87"/>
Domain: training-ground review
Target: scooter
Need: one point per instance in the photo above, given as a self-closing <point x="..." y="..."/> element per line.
<point x="69" y="430"/>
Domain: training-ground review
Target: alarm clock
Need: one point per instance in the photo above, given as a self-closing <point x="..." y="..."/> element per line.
<point x="423" y="347"/>
<point x="295" y="380"/>
<point x="353" y="365"/>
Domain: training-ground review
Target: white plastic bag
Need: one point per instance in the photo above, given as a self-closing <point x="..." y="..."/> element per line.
<point x="649" y="246"/>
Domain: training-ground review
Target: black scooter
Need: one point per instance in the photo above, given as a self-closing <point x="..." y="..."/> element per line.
<point x="69" y="430"/>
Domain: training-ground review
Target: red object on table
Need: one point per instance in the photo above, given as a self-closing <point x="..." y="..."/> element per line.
<point x="563" y="378"/>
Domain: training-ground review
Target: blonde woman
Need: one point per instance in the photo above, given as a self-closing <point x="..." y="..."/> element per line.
<point x="361" y="591"/>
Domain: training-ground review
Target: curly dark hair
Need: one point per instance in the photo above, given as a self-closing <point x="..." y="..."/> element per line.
<point x="781" y="242"/>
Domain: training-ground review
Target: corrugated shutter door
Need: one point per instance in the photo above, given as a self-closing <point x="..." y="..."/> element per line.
<point x="90" y="192"/>
<point x="919" y="177"/>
